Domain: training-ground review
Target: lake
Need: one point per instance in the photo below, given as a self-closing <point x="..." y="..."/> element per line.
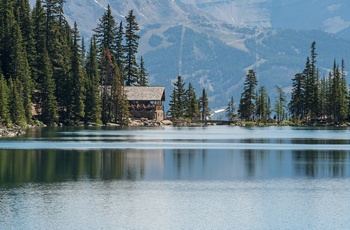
<point x="215" y="177"/>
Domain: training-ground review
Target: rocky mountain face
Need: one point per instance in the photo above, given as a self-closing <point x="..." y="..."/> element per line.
<point x="212" y="43"/>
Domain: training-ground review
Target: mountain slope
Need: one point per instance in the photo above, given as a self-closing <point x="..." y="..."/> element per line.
<point x="212" y="43"/>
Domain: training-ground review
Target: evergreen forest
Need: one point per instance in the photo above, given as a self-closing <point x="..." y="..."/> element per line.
<point x="315" y="100"/>
<point x="49" y="75"/>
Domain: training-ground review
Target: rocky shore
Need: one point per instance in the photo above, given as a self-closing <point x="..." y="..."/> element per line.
<point x="146" y="122"/>
<point x="11" y="132"/>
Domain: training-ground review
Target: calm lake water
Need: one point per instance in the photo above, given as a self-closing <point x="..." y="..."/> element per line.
<point x="176" y="178"/>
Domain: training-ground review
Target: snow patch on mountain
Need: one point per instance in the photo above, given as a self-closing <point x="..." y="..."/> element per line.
<point x="336" y="24"/>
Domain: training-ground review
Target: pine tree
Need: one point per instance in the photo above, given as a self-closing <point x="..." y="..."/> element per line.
<point x="19" y="70"/>
<point x="76" y="105"/>
<point x="311" y="84"/>
<point x="263" y="110"/>
<point x="142" y="79"/>
<point x="204" y="105"/>
<point x="105" y="32"/>
<point x="93" y="97"/>
<point x="177" y="105"/>
<point x="58" y="42"/>
<point x="16" y="101"/>
<point x="296" y="105"/>
<point x="114" y="104"/>
<point x="25" y="22"/>
<point x="120" y="110"/>
<point x="14" y="62"/>
<point x="280" y="105"/>
<point x="323" y="97"/>
<point x="7" y="24"/>
<point x="191" y="109"/>
<point x="2" y="32"/>
<point x="344" y="97"/>
<point x="174" y="105"/>
<point x="39" y="37"/>
<point x="230" y="110"/>
<point x="247" y="103"/>
<point x="339" y="94"/>
<point x="48" y="103"/>
<point x="4" y="102"/>
<point x="120" y="51"/>
<point x="131" y="49"/>
<point x="334" y="89"/>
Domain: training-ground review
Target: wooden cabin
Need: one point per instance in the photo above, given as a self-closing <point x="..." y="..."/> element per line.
<point x="146" y="101"/>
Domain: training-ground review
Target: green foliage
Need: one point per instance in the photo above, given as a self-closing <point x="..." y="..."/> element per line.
<point x="296" y="105"/>
<point x="263" y="110"/>
<point x="58" y="43"/>
<point x="16" y="101"/>
<point x="4" y="102"/>
<point x="48" y="105"/>
<point x="184" y="103"/>
<point x="230" y="110"/>
<point x="280" y="107"/>
<point x="77" y="94"/>
<point x="142" y="79"/>
<point x="47" y="69"/>
<point x="246" y="108"/>
<point x="93" y="97"/>
<point x="313" y="98"/>
<point x="191" y="106"/>
<point x="131" y="48"/>
<point x="105" y="32"/>
<point x="114" y="104"/>
<point x="119" y="52"/>
<point x="204" y="105"/>
<point x="178" y="99"/>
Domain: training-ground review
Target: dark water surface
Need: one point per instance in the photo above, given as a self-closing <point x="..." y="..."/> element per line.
<point x="176" y="178"/>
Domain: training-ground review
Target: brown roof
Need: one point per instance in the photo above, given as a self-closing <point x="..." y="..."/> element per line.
<point x="144" y="93"/>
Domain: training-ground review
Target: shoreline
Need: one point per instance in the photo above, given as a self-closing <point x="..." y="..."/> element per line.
<point x="18" y="131"/>
<point x="11" y="132"/>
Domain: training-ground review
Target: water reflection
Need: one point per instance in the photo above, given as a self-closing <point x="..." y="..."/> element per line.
<point x="321" y="163"/>
<point x="18" y="166"/>
<point x="22" y="166"/>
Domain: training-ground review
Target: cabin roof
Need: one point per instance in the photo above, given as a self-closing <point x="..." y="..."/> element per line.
<point x="144" y="93"/>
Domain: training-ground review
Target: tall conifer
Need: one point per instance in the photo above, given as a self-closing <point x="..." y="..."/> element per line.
<point x="4" y="102"/>
<point x="263" y="109"/>
<point x="297" y="103"/>
<point x="93" y="96"/>
<point x="230" y="111"/>
<point x="120" y="51"/>
<point x="25" y="22"/>
<point x="191" y="109"/>
<point x="131" y="49"/>
<point x="59" y="40"/>
<point x="178" y="99"/>
<point x="248" y="97"/>
<point x="105" y="32"/>
<point x="142" y="79"/>
<point x="48" y="103"/>
<point x="204" y="105"/>
<point x="77" y="95"/>
<point x="16" y="101"/>
<point x="20" y="71"/>
<point x="280" y="107"/>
